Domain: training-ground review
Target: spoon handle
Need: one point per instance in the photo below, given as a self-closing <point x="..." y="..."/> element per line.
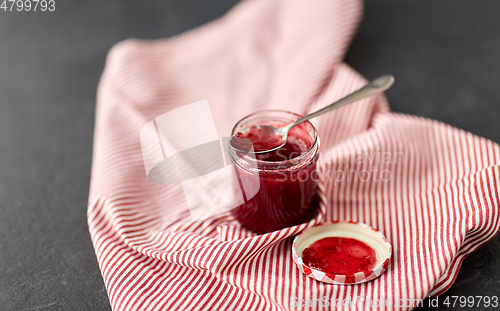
<point x="374" y="87"/>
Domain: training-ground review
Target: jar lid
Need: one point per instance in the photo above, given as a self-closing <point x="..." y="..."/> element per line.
<point x="345" y="229"/>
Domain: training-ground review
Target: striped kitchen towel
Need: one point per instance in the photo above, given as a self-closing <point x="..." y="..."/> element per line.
<point x="432" y="189"/>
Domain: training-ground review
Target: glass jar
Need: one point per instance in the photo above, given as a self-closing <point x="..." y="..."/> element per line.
<point x="286" y="179"/>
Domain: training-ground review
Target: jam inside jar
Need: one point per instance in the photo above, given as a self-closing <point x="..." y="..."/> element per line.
<point x="286" y="178"/>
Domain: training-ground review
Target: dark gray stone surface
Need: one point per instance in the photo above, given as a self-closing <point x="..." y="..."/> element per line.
<point x="444" y="55"/>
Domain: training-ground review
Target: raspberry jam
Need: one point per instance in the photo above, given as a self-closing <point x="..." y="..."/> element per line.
<point x="262" y="138"/>
<point x="298" y="142"/>
<point x="287" y="178"/>
<point x="337" y="255"/>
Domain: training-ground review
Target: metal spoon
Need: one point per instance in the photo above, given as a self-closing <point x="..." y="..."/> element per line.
<point x="374" y="87"/>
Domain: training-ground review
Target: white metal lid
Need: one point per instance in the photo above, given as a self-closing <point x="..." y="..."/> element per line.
<point x="355" y="230"/>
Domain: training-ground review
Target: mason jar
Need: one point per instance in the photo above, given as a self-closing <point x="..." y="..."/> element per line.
<point x="285" y="181"/>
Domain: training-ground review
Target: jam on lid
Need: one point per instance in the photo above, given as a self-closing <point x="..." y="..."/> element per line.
<point x="339" y="255"/>
<point x="342" y="253"/>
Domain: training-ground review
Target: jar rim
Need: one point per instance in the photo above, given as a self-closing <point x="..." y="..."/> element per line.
<point x="314" y="142"/>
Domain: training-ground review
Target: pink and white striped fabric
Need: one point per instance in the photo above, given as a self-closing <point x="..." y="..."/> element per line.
<point x="438" y="202"/>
